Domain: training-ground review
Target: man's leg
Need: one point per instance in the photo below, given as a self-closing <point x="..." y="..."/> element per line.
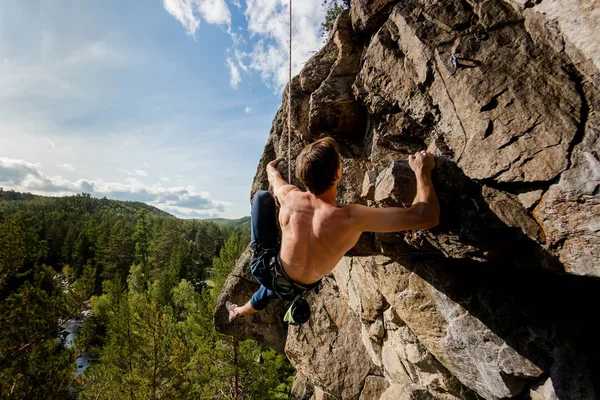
<point x="246" y="309"/>
<point x="259" y="301"/>
<point x="264" y="220"/>
<point x="264" y="234"/>
<point x="236" y="311"/>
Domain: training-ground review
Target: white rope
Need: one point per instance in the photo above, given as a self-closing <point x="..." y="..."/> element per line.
<point x="290" y="104"/>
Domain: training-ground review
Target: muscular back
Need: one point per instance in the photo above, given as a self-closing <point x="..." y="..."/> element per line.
<point x="315" y="236"/>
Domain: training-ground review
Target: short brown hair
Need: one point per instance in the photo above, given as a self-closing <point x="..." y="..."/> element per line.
<point x="317" y="165"/>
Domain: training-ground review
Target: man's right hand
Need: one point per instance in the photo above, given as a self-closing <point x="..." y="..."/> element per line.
<point x="424" y="213"/>
<point x="422" y="162"/>
<point x="273" y="164"/>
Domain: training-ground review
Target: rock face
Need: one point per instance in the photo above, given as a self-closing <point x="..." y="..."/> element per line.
<point x="499" y="300"/>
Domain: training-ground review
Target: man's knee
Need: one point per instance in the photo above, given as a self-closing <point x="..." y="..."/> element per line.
<point x="261" y="298"/>
<point x="263" y="198"/>
<point x="258" y="303"/>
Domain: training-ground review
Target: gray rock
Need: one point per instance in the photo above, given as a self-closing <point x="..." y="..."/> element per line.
<point x="544" y="391"/>
<point x="372" y="345"/>
<point x="333" y="108"/>
<point x="406" y="392"/>
<point x="302" y="389"/>
<point x="369" y="15"/>
<point x="396" y="185"/>
<point x="530" y="198"/>
<point x="507" y="96"/>
<point x="368" y="188"/>
<point x="569" y="211"/>
<point x="374" y="387"/>
<point x="511" y="213"/>
<point x="377" y="330"/>
<point x="328" y="349"/>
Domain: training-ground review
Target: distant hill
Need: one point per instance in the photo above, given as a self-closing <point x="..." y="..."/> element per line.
<point x="234" y="223"/>
<point x="11" y="202"/>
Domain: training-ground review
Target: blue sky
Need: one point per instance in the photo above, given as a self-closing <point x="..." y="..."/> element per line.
<point x="164" y="101"/>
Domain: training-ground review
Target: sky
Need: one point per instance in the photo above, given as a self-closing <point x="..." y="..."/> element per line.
<point x="169" y="102"/>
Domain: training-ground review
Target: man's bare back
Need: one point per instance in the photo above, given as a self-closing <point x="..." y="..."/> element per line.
<point x="315" y="236"/>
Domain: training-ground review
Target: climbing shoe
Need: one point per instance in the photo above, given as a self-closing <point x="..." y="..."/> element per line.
<point x="231" y="308"/>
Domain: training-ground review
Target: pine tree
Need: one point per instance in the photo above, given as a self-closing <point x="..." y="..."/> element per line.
<point x="222" y="265"/>
<point x="119" y="253"/>
<point x="141" y="237"/>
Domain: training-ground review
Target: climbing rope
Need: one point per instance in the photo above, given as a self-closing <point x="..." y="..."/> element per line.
<point x="290" y="104"/>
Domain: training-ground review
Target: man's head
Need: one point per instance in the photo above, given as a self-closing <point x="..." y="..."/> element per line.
<point x="318" y="166"/>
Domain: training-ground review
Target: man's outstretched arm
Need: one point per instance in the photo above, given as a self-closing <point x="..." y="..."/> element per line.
<point x="280" y="186"/>
<point x="424" y="213"/>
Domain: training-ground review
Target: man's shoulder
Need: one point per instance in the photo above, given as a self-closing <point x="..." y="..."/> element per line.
<point x="356" y="213"/>
<point x="353" y="208"/>
<point x="285" y="191"/>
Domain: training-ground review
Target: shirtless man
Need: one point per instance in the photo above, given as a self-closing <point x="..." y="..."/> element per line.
<point x="316" y="234"/>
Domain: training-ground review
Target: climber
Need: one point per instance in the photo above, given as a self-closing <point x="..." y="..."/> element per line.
<point x="315" y="233"/>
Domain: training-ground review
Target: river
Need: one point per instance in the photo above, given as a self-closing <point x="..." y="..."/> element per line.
<point x="68" y="332"/>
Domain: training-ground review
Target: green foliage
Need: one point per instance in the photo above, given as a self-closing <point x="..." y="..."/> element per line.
<point x="35" y="302"/>
<point x="233" y="223"/>
<point x="145" y="274"/>
<point x="230" y="252"/>
<point x="141" y="238"/>
<point x="333" y="9"/>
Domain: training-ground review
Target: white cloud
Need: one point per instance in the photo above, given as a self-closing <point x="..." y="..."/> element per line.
<point x="66" y="166"/>
<point x="268" y="25"/>
<point x="26" y="176"/>
<point x="22" y="173"/>
<point x="247" y="110"/>
<point x="185" y="213"/>
<point x="146" y="165"/>
<point x="96" y="52"/>
<point x="125" y="171"/>
<point x="269" y="21"/>
<point x="235" y="73"/>
<point x="164" y="179"/>
<point x="51" y="143"/>
<point x="215" y="11"/>
<point x="190" y="12"/>
<point x="183" y="12"/>
<point x="237" y="39"/>
<point x="239" y="59"/>
<point x="138" y="172"/>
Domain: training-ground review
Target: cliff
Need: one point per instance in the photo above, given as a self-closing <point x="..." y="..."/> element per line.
<point x="500" y="300"/>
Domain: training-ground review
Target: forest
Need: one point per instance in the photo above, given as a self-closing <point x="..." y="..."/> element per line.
<point x="143" y="284"/>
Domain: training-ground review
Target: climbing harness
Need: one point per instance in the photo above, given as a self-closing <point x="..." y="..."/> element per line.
<point x="283" y="286"/>
<point x="286" y="289"/>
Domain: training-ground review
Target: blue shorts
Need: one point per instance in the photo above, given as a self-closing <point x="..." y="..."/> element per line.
<point x="265" y="241"/>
